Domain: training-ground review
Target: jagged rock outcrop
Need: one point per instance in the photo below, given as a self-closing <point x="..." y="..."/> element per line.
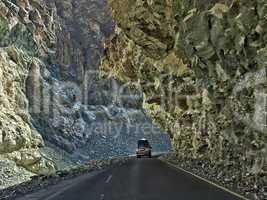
<point x="202" y="68"/>
<point x="24" y="38"/>
<point x="55" y="110"/>
<point x="78" y="112"/>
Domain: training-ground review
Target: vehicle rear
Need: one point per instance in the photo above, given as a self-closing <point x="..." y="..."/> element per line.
<point x="143" y="149"/>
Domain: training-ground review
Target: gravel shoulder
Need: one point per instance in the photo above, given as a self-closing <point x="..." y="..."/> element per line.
<point x="202" y="168"/>
<point x="39" y="185"/>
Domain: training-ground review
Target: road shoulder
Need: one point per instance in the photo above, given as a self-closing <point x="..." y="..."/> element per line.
<point x="205" y="180"/>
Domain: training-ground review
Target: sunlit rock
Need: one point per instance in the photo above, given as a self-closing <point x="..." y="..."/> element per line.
<point x="196" y="62"/>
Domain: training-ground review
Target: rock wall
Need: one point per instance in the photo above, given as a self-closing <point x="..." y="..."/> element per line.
<point x="25" y="36"/>
<point x="75" y="110"/>
<point x="55" y="110"/>
<point x="202" y="68"/>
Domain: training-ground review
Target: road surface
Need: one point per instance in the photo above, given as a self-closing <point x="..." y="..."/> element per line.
<point x="142" y="179"/>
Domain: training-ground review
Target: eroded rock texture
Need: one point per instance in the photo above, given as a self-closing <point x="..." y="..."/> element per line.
<point x="202" y="68"/>
<point x="25" y="37"/>
<point x="55" y="111"/>
<point x="77" y="111"/>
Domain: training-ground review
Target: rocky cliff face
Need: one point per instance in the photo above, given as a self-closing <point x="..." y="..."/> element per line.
<point x="55" y="111"/>
<point x="86" y="117"/>
<point x="25" y="35"/>
<point x="202" y="68"/>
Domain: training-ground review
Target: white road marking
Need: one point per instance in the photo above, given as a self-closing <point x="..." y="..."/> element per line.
<point x="207" y="181"/>
<point x="108" y="179"/>
<point x="60" y="188"/>
<point x="102" y="197"/>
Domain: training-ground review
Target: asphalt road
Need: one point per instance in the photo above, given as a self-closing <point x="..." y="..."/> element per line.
<point x="143" y="179"/>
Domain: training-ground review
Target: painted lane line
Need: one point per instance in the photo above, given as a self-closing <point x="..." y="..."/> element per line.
<point x="61" y="189"/>
<point x="108" y="179"/>
<point x="209" y="182"/>
<point x="102" y="197"/>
